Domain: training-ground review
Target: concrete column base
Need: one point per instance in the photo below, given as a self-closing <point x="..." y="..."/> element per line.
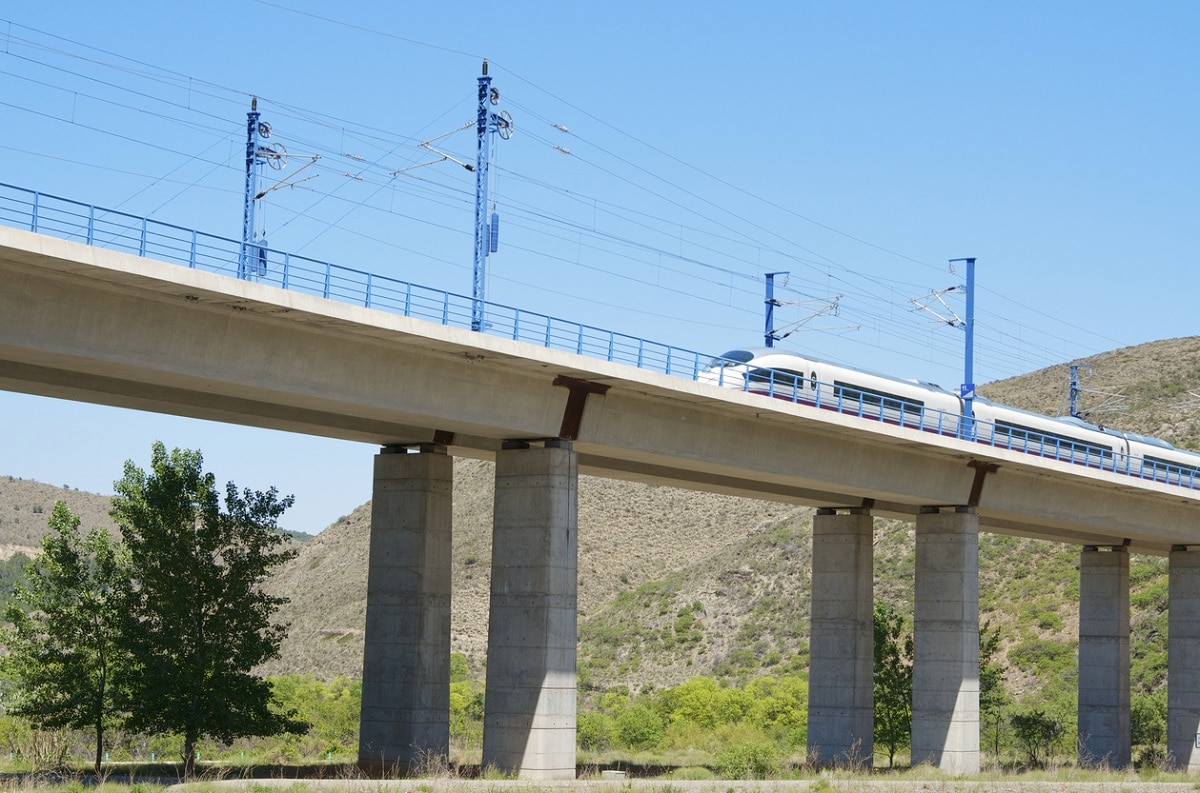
<point x="1103" y="722"/>
<point x="529" y="705"/>
<point x="841" y="645"/>
<point x="945" y="730"/>
<point x="405" y="721"/>
<point x="1183" y="661"/>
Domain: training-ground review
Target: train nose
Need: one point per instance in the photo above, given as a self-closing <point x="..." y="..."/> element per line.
<point x="721" y="375"/>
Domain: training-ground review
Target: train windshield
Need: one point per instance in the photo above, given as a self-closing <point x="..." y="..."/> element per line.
<point x="731" y="358"/>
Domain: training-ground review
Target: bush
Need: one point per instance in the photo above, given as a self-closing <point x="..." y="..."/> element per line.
<point x="594" y="732"/>
<point x="1148" y="719"/>
<point x="692" y="772"/>
<point x="1037" y="733"/>
<point x="638" y="727"/>
<point x="703" y="701"/>
<point x="747" y="761"/>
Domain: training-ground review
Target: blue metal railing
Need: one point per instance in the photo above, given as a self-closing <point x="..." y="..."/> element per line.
<point x="72" y="220"/>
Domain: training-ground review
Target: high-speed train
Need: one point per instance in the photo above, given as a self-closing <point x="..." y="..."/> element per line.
<point x="925" y="406"/>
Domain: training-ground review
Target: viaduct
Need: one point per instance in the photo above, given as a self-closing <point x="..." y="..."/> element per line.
<point x="83" y="323"/>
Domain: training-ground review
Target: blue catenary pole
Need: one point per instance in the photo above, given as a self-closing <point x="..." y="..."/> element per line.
<point x="968" y="386"/>
<point x="769" y="334"/>
<point x="244" y="258"/>
<point x="482" y="156"/>
<point x="1074" y="394"/>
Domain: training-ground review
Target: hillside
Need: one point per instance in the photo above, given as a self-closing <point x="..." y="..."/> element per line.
<point x="1154" y="386"/>
<point x="628" y="535"/>
<point x="25" y="507"/>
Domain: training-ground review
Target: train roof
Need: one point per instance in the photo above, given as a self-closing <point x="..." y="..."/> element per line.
<point x="754" y="352"/>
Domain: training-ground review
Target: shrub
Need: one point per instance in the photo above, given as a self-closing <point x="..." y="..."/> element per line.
<point x="1148" y="719"/>
<point x="638" y="727"/>
<point x="1037" y="734"/>
<point x="594" y="732"/>
<point x="746" y="761"/>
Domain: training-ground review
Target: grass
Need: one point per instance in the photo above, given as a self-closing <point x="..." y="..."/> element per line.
<point x="682" y="779"/>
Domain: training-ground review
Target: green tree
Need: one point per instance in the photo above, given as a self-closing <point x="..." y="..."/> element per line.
<point x="1148" y="724"/>
<point x="65" y="620"/>
<point x="638" y="727"/>
<point x="198" y="619"/>
<point x="993" y="697"/>
<point x="778" y="703"/>
<point x="1038" y="734"/>
<point x="893" y="680"/>
<point x="704" y="702"/>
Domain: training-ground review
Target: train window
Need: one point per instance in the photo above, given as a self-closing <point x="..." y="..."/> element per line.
<point x="731" y="358"/>
<point x="1062" y="446"/>
<point x="872" y="397"/>
<point x="886" y="407"/>
<point x="781" y="378"/>
<point x="1164" y="470"/>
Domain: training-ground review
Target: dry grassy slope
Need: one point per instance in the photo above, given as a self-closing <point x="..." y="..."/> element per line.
<point x="25" y="507"/>
<point x="1152" y="380"/>
<point x="628" y="534"/>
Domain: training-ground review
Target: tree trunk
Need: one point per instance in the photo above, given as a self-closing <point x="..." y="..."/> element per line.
<point x="189" y="758"/>
<point x="99" y="745"/>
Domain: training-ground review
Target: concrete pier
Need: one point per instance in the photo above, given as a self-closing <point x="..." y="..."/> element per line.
<point x="1183" y="660"/>
<point x="945" y="730"/>
<point x="405" y="719"/>
<point x="841" y="660"/>
<point x="529" y="707"/>
<point x="1103" y="721"/>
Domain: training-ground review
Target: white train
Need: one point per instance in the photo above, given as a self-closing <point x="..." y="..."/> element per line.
<point x="931" y="408"/>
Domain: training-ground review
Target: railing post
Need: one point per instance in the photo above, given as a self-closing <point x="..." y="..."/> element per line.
<point x="367" y="300"/>
<point x="287" y="269"/>
<point x="91" y="235"/>
<point x="670" y="352"/>
<point x="641" y="352"/>
<point x="516" y="324"/>
<point x="33" y="218"/>
<point x="192" y="252"/>
<point x="328" y="276"/>
<point x="579" y="341"/>
<point x="142" y="241"/>
<point x="408" y="299"/>
<point x="445" y="308"/>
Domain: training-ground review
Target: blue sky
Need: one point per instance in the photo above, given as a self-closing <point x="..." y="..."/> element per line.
<point x="858" y="146"/>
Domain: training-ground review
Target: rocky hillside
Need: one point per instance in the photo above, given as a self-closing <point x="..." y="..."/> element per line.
<point x="1152" y="389"/>
<point x="25" y="507"/>
<point x="629" y="534"/>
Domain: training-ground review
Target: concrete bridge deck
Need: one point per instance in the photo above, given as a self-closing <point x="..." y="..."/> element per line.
<point x="83" y="323"/>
